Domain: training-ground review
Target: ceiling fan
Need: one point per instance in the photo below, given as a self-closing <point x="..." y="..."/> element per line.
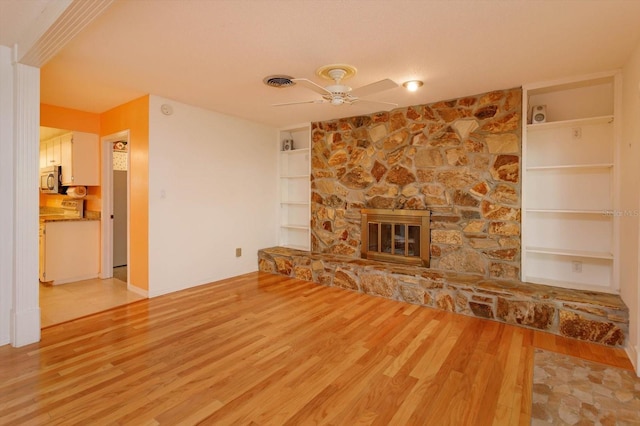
<point x="336" y="94"/>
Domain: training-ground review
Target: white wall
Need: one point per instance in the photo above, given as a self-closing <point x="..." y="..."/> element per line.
<point x="630" y="180"/>
<point x="6" y="192"/>
<point x="212" y="189"/>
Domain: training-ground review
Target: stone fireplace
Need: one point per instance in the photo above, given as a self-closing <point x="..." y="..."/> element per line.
<point x="398" y="236"/>
<point x="459" y="159"/>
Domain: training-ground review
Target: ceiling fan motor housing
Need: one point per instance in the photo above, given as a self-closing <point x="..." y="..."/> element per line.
<point x="336" y="94"/>
<point x="339" y="89"/>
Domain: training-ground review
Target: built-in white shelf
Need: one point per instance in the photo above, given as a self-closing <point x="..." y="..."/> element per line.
<point x="295" y="151"/>
<point x="295" y="188"/>
<point x="572" y="253"/>
<point x="570" y="184"/>
<point x="569" y="167"/>
<point x="294" y="177"/>
<point x="569" y="284"/>
<point x="300" y="227"/>
<point x="579" y="122"/>
<point x="570" y="211"/>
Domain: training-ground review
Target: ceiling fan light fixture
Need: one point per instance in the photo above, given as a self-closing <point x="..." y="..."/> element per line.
<point x="412" y="85"/>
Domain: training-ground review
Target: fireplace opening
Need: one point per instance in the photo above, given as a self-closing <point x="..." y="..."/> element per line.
<point x="400" y="236"/>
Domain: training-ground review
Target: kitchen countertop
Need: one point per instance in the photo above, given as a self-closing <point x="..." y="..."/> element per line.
<point x="59" y="218"/>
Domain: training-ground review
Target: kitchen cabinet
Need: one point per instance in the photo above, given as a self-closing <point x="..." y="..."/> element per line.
<point x="69" y="250"/>
<point x="569" y="225"/>
<point x="295" y="188"/>
<point x="80" y="159"/>
<point x="50" y="152"/>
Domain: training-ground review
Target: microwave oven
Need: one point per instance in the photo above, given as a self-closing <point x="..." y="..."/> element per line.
<point x="51" y="180"/>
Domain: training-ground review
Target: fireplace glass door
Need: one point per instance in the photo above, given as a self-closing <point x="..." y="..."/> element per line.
<point x="396" y="236"/>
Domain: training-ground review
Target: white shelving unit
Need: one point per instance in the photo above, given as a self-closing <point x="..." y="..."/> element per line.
<point x="295" y="188"/>
<point x="569" y="185"/>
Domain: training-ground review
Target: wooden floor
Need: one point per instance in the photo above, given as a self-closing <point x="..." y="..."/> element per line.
<point x="265" y="349"/>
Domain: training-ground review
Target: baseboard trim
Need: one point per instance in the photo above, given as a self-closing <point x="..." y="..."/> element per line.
<point x="75" y="279"/>
<point x="138" y="291"/>
<point x="25" y="327"/>
<point x="634" y="356"/>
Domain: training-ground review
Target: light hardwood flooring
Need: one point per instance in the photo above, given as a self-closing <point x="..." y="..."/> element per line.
<point x="264" y="349"/>
<point x="64" y="302"/>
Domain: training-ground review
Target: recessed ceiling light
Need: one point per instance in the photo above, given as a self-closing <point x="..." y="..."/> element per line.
<point x="412" y="85"/>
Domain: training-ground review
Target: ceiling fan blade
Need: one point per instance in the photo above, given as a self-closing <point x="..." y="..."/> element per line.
<point x="315" y="101"/>
<point x="372" y="88"/>
<point x="374" y="102"/>
<point x="313" y="86"/>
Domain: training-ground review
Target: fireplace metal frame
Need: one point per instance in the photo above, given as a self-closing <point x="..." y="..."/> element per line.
<point x="419" y="218"/>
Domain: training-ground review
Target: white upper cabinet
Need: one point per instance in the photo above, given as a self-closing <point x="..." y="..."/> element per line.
<point x="50" y="152"/>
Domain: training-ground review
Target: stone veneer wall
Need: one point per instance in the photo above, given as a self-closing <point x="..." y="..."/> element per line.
<point x="458" y="158"/>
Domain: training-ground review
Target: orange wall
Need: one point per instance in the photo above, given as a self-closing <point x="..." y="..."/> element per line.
<point x="81" y="121"/>
<point x="70" y="119"/>
<point x="134" y="116"/>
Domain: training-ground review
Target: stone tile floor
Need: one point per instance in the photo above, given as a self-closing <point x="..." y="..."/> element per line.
<point x="572" y="391"/>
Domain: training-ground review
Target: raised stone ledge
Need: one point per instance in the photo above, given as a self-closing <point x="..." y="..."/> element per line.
<point x="585" y="315"/>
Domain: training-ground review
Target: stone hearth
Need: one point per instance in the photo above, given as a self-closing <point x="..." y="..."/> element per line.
<point x="585" y="315"/>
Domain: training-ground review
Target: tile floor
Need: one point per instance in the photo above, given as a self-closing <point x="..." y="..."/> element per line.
<point x="573" y="391"/>
<point x="64" y="302"/>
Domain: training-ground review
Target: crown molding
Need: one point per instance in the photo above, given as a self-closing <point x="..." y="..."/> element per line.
<point x="58" y="23"/>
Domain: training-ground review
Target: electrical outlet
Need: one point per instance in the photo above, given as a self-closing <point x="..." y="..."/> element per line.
<point x="577" y="132"/>
<point x="238" y="252"/>
<point x="576" y="266"/>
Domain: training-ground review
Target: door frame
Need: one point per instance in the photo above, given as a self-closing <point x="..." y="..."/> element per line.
<point x="106" y="257"/>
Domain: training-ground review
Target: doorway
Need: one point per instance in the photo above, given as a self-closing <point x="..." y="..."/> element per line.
<point x="115" y="207"/>
<point x="120" y="195"/>
<point x="60" y="303"/>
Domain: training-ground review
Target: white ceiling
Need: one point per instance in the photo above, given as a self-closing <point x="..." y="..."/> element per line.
<point x="16" y="16"/>
<point x="215" y="53"/>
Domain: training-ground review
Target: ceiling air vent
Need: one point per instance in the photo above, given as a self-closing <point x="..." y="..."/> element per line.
<point x="279" y="81"/>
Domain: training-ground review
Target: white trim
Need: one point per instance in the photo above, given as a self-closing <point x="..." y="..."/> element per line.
<point x="6" y="192"/>
<point x="617" y="178"/>
<point x="25" y="312"/>
<point x="573" y="80"/>
<point x="106" y="231"/>
<point x="75" y="279"/>
<point x="136" y="290"/>
<point x="634" y="356"/>
<point x="57" y="24"/>
<point x="524" y="237"/>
